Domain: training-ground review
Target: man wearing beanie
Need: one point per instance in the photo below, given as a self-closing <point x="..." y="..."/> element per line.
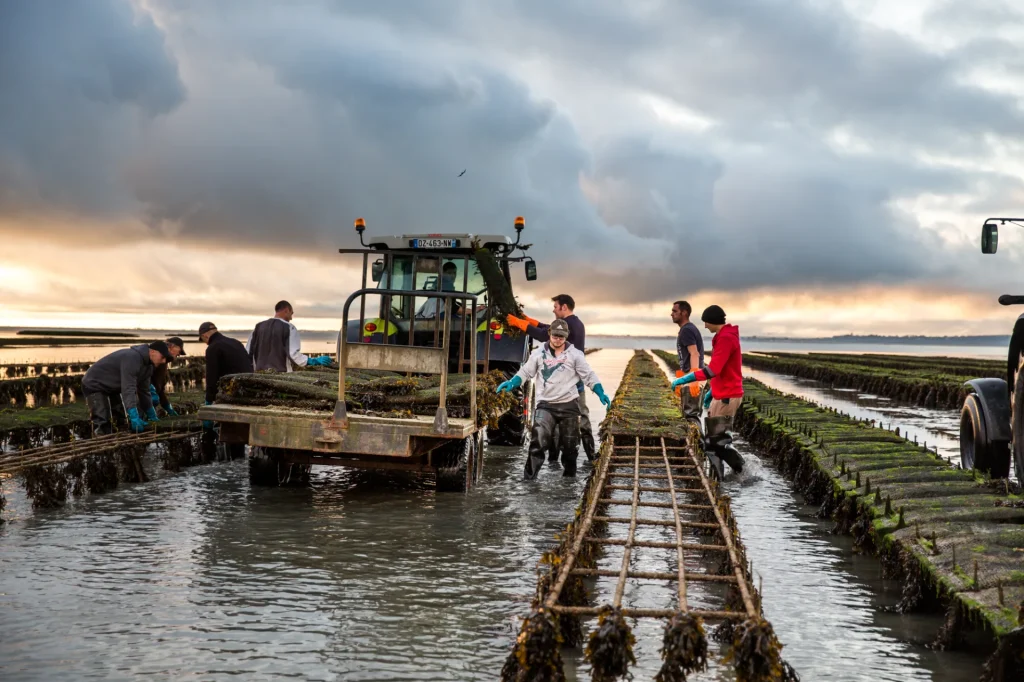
<point x="558" y="367"/>
<point x="725" y="375"/>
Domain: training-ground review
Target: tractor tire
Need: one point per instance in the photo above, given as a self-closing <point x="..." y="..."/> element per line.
<point x="262" y="467"/>
<point x="514" y="426"/>
<point x="977" y="450"/>
<point x="456" y="465"/>
<point x="266" y="469"/>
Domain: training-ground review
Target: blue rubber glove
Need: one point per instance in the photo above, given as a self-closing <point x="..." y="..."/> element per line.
<point x="321" y="361"/>
<point x="708" y="398"/>
<point x="602" y="396"/>
<point x="171" y="412"/>
<point x="151" y="415"/>
<point x="683" y="380"/>
<point x="154" y="398"/>
<point x="510" y="385"/>
<point x="137" y="423"/>
<point x="207" y="424"/>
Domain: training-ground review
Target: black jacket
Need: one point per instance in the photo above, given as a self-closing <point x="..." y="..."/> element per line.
<point x="224" y="356"/>
<point x="128" y="371"/>
<point x="577" y="333"/>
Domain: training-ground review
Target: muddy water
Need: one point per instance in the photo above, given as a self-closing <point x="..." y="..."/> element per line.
<point x="369" y="577"/>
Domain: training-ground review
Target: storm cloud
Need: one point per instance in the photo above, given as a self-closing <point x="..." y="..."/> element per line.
<point x="655" y="148"/>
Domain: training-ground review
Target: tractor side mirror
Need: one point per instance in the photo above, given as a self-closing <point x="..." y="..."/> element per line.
<point x="531" y="270"/>
<point x="989" y="237"/>
<point x="378" y="270"/>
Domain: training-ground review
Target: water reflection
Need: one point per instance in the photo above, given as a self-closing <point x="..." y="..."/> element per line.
<point x="370" y="577"/>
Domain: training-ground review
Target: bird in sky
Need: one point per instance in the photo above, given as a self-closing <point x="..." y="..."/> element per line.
<point x="462" y="173"/>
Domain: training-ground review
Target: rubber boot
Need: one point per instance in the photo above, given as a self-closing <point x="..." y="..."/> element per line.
<point x="719" y="441"/>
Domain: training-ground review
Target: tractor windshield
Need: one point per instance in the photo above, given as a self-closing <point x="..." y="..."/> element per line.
<point x="421" y="273"/>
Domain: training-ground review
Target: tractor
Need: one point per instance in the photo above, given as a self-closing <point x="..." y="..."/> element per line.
<point x="992" y="418"/>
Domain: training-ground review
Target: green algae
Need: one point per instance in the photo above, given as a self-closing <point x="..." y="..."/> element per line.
<point x="950" y="520"/>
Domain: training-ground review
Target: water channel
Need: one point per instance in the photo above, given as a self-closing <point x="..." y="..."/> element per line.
<point x="374" y="577"/>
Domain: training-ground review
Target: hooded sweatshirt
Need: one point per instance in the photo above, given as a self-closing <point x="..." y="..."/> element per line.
<point x="557" y="375"/>
<point x="128" y="371"/>
<point x="724" y="370"/>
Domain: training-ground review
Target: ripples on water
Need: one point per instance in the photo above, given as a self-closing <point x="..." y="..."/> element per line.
<point x="375" y="577"/>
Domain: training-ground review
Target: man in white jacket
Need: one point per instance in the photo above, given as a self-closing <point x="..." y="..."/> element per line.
<point x="558" y="368"/>
<point x="275" y="343"/>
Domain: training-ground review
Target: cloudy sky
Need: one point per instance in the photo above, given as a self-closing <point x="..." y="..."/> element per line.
<point x="813" y="166"/>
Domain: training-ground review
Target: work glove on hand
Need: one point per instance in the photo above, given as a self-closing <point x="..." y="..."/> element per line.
<point x="151" y="415"/>
<point x="510" y="385"/>
<point x="602" y="396"/>
<point x="683" y="380"/>
<point x="517" y="322"/>
<point x="137" y="423"/>
<point x="171" y="412"/>
<point x="707" y="399"/>
<point x="678" y="389"/>
<point x="153" y="396"/>
<point x="321" y="361"/>
<point x="695" y="390"/>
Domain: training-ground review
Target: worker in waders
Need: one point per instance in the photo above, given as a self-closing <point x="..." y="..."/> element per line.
<point x="564" y="309"/>
<point x="724" y="373"/>
<point x="275" y="343"/>
<point x="558" y="367"/>
<point x="224" y="356"/>
<point x="690" y="350"/>
<point x="124" y="375"/>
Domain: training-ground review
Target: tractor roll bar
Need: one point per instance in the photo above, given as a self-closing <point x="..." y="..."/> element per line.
<point x="407" y="358"/>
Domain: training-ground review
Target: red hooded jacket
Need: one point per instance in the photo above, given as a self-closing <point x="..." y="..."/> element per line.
<point x="724" y="370"/>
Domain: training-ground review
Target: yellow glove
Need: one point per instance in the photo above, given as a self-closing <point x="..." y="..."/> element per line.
<point x="516" y="322"/>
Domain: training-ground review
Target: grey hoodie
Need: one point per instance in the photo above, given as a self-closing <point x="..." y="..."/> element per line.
<point x="558" y="375"/>
<point x="128" y="371"/>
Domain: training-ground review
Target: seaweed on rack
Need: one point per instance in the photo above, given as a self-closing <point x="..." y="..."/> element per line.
<point x="610" y="647"/>
<point x="644" y="406"/>
<point x="684" y="649"/>
<point x="537" y="654"/>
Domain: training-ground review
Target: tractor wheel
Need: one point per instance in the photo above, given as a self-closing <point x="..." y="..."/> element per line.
<point x="514" y="426"/>
<point x="262" y="467"/>
<point x="267" y="469"/>
<point x="456" y="465"/>
<point x="977" y="450"/>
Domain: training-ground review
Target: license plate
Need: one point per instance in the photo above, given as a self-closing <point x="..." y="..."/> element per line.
<point x="435" y="243"/>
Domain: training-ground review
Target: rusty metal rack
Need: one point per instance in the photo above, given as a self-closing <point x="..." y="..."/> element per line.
<point x="650" y="495"/>
<point x="60" y="453"/>
<point x="675" y="470"/>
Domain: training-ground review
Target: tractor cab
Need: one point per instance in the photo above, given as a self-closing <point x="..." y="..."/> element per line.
<point x="403" y="275"/>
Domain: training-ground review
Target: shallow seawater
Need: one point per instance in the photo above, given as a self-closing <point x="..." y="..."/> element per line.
<point x="377" y="577"/>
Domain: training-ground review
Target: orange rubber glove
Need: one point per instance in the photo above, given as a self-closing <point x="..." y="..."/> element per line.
<point x="535" y="323"/>
<point x="694" y="389"/>
<point x="679" y="389"/>
<point x="516" y="322"/>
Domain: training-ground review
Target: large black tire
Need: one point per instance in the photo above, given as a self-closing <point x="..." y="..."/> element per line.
<point x="514" y="426"/>
<point x="977" y="450"/>
<point x="266" y="469"/>
<point x="456" y="465"/>
<point x="262" y="467"/>
<point x="1017" y="427"/>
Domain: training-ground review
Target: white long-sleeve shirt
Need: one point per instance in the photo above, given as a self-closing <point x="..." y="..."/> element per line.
<point x="295" y="355"/>
<point x="558" y="376"/>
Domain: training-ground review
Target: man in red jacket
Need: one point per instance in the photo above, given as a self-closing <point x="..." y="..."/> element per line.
<point x="725" y="375"/>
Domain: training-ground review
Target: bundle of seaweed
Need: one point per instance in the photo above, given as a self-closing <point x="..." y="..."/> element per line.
<point x="368" y="392"/>
<point x="537" y="655"/>
<point x="610" y="647"/>
<point x="644" y="406"/>
<point x="756" y="653"/>
<point x="684" y="649"/>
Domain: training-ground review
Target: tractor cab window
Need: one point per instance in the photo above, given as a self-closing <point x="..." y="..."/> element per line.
<point x="422" y="273"/>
